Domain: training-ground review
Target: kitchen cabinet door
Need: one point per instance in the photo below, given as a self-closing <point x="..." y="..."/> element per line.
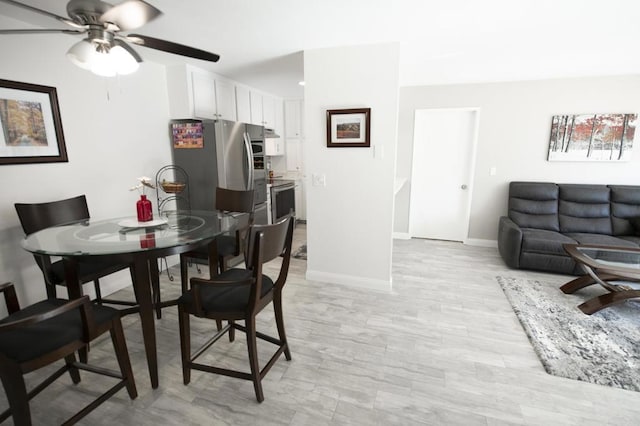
<point x="204" y="95"/>
<point x="294" y="155"/>
<point x="273" y="146"/>
<point x="256" y="108"/>
<point x="292" y="118"/>
<point x="225" y="100"/>
<point x="279" y="125"/>
<point x="269" y="111"/>
<point x="243" y="104"/>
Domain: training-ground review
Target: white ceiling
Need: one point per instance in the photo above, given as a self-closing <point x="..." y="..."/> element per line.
<point x="441" y="41"/>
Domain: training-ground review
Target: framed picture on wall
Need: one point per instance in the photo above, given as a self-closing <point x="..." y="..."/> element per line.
<point x="592" y="137"/>
<point x="30" y="124"/>
<point x="348" y="128"/>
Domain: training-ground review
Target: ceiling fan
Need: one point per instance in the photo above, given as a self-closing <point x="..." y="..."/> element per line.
<point x="105" y="51"/>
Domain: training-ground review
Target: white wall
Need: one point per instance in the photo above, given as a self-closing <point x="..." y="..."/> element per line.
<point x="515" y="123"/>
<point x="115" y="130"/>
<point x="349" y="221"/>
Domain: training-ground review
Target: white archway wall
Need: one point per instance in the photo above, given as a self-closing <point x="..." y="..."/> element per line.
<point x="350" y="220"/>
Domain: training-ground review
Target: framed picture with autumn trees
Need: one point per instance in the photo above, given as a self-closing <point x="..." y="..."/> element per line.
<point x="30" y="124"/>
<point x="592" y="137"/>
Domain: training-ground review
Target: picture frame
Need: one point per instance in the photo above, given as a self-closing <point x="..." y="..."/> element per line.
<point x="349" y="128"/>
<point x="30" y="124"/>
<point x="592" y="137"/>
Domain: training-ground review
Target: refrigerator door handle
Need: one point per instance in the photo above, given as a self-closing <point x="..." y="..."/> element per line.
<point x="247" y="142"/>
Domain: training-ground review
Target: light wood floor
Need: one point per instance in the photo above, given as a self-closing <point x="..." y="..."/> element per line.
<point x="444" y="348"/>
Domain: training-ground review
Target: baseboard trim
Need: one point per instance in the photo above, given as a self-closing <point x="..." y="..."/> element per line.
<point x="350" y="280"/>
<point x="401" y="236"/>
<point x="478" y="242"/>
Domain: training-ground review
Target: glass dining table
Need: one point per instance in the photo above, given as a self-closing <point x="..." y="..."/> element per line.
<point x="138" y="243"/>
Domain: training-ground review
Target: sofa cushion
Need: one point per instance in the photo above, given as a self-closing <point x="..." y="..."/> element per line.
<point x="544" y="242"/>
<point x="548" y="262"/>
<point x="625" y="209"/>
<point x="534" y="205"/>
<point x="633" y="238"/>
<point x="601" y="240"/>
<point x="584" y="208"/>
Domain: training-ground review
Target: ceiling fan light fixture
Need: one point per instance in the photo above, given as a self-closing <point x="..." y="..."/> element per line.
<point x="103" y="64"/>
<point x="123" y="61"/>
<point x="82" y="53"/>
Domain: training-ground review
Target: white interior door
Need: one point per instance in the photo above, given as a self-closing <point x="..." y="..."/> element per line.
<point x="443" y="149"/>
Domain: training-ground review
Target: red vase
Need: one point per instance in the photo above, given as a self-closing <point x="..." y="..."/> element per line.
<point x="143" y="206"/>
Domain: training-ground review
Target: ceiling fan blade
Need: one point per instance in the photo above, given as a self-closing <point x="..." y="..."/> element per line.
<point x="44" y="12"/>
<point x="130" y="14"/>
<point x="41" y="31"/>
<point x="168" y="46"/>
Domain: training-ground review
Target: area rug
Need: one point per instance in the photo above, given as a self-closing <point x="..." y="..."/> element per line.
<point x="603" y="348"/>
<point x="301" y="252"/>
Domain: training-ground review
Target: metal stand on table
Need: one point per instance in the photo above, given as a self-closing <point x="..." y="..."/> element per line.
<point x="172" y="193"/>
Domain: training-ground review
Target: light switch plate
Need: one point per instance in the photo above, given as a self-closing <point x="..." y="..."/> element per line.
<point x="318" y="179"/>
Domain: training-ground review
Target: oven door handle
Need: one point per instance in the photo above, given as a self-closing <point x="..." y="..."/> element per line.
<point x="282" y="188"/>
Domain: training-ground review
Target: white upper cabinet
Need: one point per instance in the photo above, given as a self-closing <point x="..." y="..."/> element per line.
<point x="293" y="118"/>
<point x="256" y="108"/>
<point x="196" y="93"/>
<point x="269" y="111"/>
<point x="279" y="124"/>
<point x="243" y="104"/>
<point x="263" y="109"/>
<point x="204" y="95"/>
<point x="225" y="100"/>
<point x="273" y="146"/>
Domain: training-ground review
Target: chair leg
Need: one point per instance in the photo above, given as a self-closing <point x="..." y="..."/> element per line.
<point x="252" y="345"/>
<point x="155" y="287"/>
<point x="185" y="343"/>
<point x="52" y="291"/>
<point x="277" y="310"/>
<point x="166" y="265"/>
<point x="232" y="331"/>
<point x="122" y="354"/>
<point x="16" y="391"/>
<point x="83" y="354"/>
<point x="184" y="273"/>
<point x="73" y="371"/>
<point x="96" y="286"/>
<point x="222" y="262"/>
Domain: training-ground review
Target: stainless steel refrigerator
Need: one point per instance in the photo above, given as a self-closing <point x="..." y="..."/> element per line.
<point x="221" y="153"/>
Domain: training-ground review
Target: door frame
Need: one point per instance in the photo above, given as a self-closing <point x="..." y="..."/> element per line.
<point x="472" y="162"/>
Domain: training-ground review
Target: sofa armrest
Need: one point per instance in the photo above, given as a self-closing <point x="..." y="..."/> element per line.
<point x="509" y="241"/>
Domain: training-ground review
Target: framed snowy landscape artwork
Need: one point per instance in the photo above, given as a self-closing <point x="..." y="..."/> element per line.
<point x="592" y="137"/>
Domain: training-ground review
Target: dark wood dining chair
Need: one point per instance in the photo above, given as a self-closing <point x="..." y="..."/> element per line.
<point x="228" y="246"/>
<point x="49" y="331"/>
<point x="240" y="294"/>
<point x="37" y="216"/>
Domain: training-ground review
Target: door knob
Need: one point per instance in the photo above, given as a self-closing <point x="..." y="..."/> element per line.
<point x="463" y="186"/>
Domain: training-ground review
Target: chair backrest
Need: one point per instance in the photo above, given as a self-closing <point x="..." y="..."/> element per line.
<point x="230" y="200"/>
<point x="37" y="216"/>
<point x="276" y="241"/>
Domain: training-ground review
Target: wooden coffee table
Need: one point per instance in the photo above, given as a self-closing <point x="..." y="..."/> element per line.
<point x="617" y="269"/>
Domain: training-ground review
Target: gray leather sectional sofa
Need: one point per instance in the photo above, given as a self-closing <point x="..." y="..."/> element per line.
<point x="543" y="216"/>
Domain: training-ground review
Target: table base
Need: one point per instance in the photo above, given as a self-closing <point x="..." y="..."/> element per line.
<point x="617" y="294"/>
